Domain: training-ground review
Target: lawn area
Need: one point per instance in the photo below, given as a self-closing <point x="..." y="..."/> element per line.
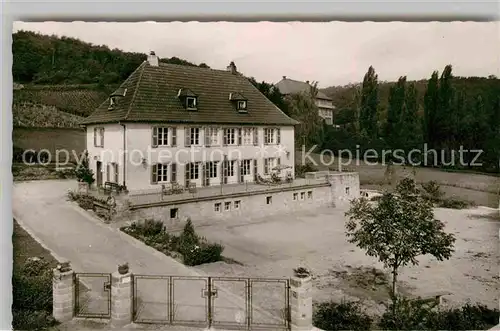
<point x="24" y="246"/>
<point x="31" y="283"/>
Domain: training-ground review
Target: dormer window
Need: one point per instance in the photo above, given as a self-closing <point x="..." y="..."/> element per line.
<point x="239" y="101"/>
<point x="242" y="105"/>
<point x="112" y="102"/>
<point x="191" y="103"/>
<point x="188" y="98"/>
<point x="115" y="96"/>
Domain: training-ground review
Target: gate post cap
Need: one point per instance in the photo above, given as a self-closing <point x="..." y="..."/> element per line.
<point x="64" y="267"/>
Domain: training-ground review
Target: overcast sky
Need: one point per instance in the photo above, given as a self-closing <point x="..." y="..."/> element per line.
<point x="334" y="53"/>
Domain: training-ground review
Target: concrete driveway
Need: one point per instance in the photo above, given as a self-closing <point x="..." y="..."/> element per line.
<point x="42" y="209"/>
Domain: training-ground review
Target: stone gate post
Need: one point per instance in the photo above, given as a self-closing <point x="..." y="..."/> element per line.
<point x="63" y="291"/>
<point x="121" y="297"/>
<point x="301" y="303"/>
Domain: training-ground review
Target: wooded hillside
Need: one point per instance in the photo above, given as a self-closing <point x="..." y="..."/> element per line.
<point x="42" y="59"/>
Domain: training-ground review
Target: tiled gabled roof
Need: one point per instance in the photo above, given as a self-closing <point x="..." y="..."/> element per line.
<point x="152" y="97"/>
<point x="291" y="86"/>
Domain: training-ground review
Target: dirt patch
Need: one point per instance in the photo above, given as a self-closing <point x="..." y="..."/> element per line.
<point x="364" y="283"/>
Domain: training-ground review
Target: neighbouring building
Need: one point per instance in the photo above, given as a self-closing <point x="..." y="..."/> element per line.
<point x="183" y="124"/>
<point x="325" y="105"/>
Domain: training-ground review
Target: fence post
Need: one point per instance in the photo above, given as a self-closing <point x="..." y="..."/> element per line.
<point x="121" y="299"/>
<point x="63" y="293"/>
<point x="301" y="303"/>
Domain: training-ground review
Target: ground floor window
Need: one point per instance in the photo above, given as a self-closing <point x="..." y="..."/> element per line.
<point x="309" y="195"/>
<point x="295" y="196"/>
<point x="174" y="212"/>
<point x="237" y="204"/>
<point x="193" y="171"/>
<point x="217" y="206"/>
<point x="269" y="164"/>
<point x="269" y="200"/>
<point x="212" y="169"/>
<point x="245" y="169"/>
<point x="347" y="190"/>
<point x="229" y="168"/>
<point x="302" y="195"/>
<point x="227" y="205"/>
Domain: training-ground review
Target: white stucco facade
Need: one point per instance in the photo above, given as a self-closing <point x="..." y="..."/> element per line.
<point x="150" y="161"/>
<point x="325" y="110"/>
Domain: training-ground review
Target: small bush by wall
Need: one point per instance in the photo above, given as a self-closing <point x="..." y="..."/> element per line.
<point x="432" y="191"/>
<point x="301" y="169"/>
<point x="407" y="314"/>
<point x="454" y="203"/>
<point x="341" y="316"/>
<point x="193" y="249"/>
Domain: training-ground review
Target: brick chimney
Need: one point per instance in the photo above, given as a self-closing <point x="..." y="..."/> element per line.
<point x="153" y="59"/>
<point x="232" y="68"/>
<point x="284" y="77"/>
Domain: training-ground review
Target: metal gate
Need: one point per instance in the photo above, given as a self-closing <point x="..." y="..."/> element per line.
<point x="93" y="295"/>
<point x="243" y="303"/>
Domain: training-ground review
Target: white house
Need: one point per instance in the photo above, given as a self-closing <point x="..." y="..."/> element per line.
<point x="288" y="86"/>
<point x="184" y="124"/>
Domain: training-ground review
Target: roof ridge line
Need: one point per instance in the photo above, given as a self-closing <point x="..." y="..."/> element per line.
<point x="136" y="89"/>
<point x="165" y="64"/>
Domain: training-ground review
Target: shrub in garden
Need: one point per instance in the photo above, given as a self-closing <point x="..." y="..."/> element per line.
<point x="150" y="228"/>
<point x="195" y="250"/>
<point x="204" y="253"/>
<point x="433" y="191"/>
<point x="341" y="316"/>
<point x="454" y="203"/>
<point x="301" y="169"/>
<point x="32" y="296"/>
<point x="83" y="172"/>
<point x="406" y="314"/>
<point x="86" y="202"/>
<point x="188" y="240"/>
<point x="468" y="317"/>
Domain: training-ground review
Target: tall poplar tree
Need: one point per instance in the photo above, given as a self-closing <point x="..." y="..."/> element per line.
<point x="431" y="100"/>
<point x="369" y="104"/>
<point x="410" y="133"/>
<point x="396" y="104"/>
<point x="443" y="125"/>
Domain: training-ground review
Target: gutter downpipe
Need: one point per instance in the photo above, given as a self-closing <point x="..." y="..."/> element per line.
<point x="124" y="154"/>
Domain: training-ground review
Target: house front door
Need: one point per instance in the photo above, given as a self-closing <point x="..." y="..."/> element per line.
<point x="99" y="173"/>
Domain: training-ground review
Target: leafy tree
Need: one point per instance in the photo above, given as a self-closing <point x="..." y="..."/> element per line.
<point x="369" y="104"/>
<point x="272" y="93"/>
<point x="398" y="229"/>
<point x="83" y="172"/>
<point x="302" y="107"/>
